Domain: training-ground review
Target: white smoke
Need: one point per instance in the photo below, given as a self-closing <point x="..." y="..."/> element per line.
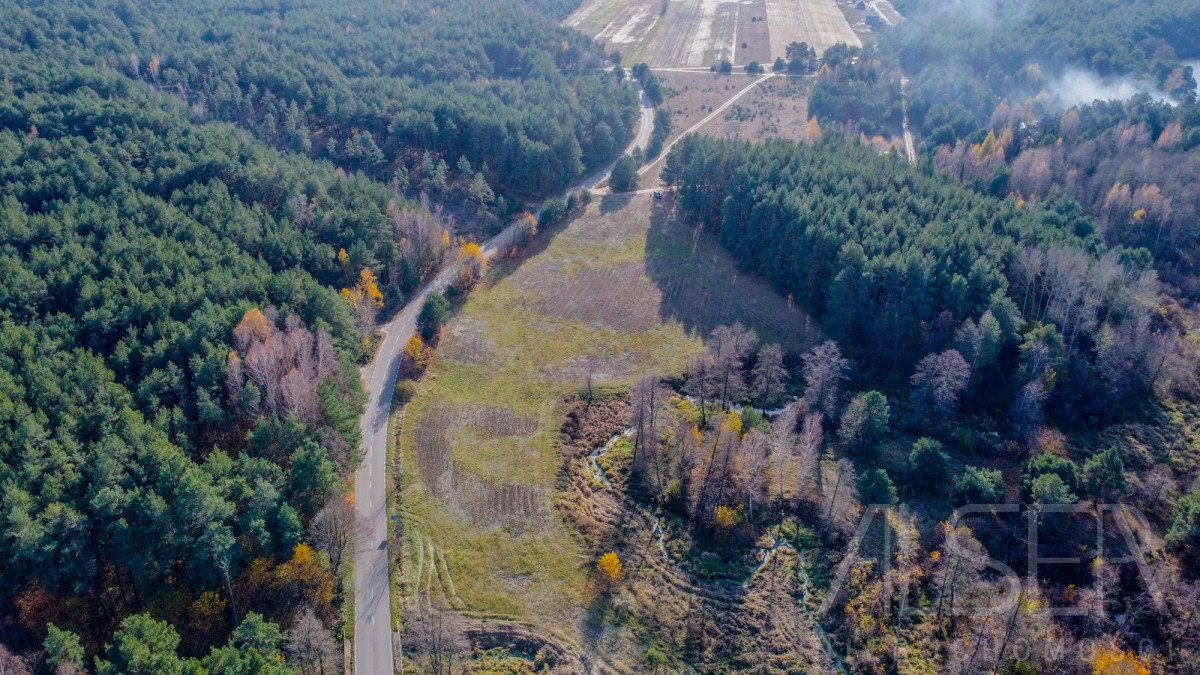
<point x="1077" y="86"/>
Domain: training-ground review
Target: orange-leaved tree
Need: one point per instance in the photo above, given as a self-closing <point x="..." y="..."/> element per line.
<point x="1110" y="661"/>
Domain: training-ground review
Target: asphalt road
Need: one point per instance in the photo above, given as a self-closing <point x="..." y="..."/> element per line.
<point x="374" y="643"/>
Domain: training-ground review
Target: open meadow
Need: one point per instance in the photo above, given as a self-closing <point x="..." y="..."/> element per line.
<point x="621" y="291"/>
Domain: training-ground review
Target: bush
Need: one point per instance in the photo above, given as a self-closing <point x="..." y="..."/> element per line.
<point x="434" y="314"/>
<point x="978" y="485"/>
<point x="876" y="487"/>
<point x="1046" y="464"/>
<point x="554" y="211"/>
<point x="624" y="176"/>
<point x="929" y="465"/>
<point x="754" y="68"/>
<point x="1185" y="524"/>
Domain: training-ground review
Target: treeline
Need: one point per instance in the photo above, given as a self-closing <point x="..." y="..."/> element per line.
<point x="371" y="86"/>
<point x="856" y="86"/>
<point x="179" y="393"/>
<point x="905" y="267"/>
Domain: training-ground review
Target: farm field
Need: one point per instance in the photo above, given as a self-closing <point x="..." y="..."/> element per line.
<point x="621" y="291"/>
<point x="775" y="108"/>
<point x="699" y="33"/>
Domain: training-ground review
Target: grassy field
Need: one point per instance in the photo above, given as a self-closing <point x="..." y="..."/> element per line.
<point x="620" y="291"/>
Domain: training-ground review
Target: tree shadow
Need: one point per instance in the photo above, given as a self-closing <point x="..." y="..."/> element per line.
<point x="611" y="203"/>
<point x="703" y="287"/>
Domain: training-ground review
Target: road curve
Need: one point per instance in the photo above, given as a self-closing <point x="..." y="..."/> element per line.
<point x="374" y="643"/>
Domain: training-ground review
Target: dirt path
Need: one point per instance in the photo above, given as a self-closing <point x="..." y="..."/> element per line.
<point x="909" y="148"/>
<point x="707" y="118"/>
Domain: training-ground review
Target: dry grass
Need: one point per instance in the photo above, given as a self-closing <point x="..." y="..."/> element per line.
<point x="623" y="290"/>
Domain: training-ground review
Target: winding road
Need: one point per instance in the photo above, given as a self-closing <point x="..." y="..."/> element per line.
<point x="375" y="645"/>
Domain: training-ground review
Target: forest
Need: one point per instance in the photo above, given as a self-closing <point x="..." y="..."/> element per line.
<point x="975" y="350"/>
<point x="204" y="209"/>
<point x="372" y="86"/>
<point x="1033" y="118"/>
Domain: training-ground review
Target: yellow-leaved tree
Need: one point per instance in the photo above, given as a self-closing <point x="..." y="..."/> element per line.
<point x="611" y="569"/>
<point x="812" y="132"/>
<point x="726" y="518"/>
<point x="417" y="356"/>
<point x="1109" y="661"/>
<point x="472" y="264"/>
<point x="365" y="300"/>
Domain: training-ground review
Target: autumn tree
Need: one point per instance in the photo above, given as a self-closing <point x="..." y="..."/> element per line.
<point x="337" y="530"/>
<point x="769" y="375"/>
<point x="610" y="567"/>
<point x="1113" y="661"/>
<point x="365" y="300"/>
<point x="824" y="371"/>
<point x="938" y="383"/>
<point x="472" y="264"/>
<point x="311" y="647"/>
<point x="303" y="581"/>
<point x="416" y="357"/>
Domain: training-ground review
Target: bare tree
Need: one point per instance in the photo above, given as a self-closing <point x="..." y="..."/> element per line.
<point x="11" y="664"/>
<point x="337" y="529"/>
<point x="699" y="383"/>
<point x="824" y="370"/>
<point x="783" y="442"/>
<point x="812" y="436"/>
<point x="840" y="514"/>
<point x="754" y="449"/>
<point x="938" y="383"/>
<point x="435" y="636"/>
<point x="729" y="346"/>
<point x="311" y="647"/>
<point x="769" y="375"/>
<point x="645" y="423"/>
<point x="1027" y="409"/>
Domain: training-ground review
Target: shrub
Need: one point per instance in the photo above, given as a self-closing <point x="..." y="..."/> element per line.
<point x="978" y="485"/>
<point x="929" y="464"/>
<point x="434" y="314"/>
<point x="624" y="175"/>
<point x="876" y="487"/>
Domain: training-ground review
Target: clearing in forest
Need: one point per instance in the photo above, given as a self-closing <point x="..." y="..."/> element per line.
<point x="623" y="290"/>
